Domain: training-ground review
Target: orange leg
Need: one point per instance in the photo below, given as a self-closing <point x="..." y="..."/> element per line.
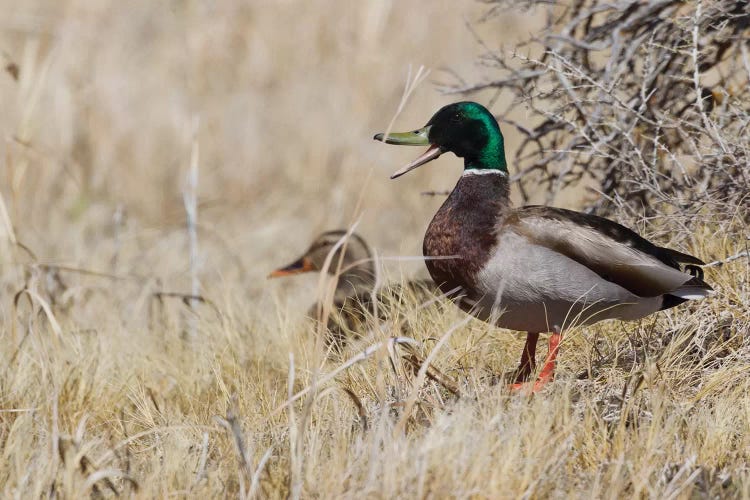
<point x="548" y="370"/>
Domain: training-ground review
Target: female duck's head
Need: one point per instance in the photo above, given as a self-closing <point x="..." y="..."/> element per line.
<point x="466" y="129"/>
<point x="356" y="260"/>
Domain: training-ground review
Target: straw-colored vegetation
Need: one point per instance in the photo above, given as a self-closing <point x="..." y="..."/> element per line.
<point x="112" y="383"/>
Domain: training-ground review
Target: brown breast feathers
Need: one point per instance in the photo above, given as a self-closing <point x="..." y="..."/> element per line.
<point x="463" y="234"/>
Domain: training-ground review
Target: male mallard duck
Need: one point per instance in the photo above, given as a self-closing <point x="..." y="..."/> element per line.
<point x="534" y="268"/>
<point x="353" y="297"/>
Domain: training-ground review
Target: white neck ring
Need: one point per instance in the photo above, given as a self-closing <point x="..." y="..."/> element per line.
<point x="483" y="171"/>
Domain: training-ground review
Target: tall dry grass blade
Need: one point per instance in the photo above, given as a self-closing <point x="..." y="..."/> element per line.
<point x="7" y="234"/>
<point x="721" y="262"/>
<point x="361" y="411"/>
<point x="201" y="468"/>
<point x="190" y="201"/>
<point x="255" y="481"/>
<point x="409" y="87"/>
<point x="232" y="424"/>
<point x="56" y="329"/>
<point x="295" y="460"/>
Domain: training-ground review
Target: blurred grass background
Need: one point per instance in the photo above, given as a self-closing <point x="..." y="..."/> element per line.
<point x="285" y="97"/>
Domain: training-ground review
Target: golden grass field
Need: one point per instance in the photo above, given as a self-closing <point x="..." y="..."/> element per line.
<point x="105" y="390"/>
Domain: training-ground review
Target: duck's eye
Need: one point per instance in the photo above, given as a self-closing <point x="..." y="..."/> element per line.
<point x="417" y="132"/>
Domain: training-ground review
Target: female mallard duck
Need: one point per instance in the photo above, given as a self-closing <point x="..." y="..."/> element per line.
<point x="534" y="268"/>
<point x="353" y="297"/>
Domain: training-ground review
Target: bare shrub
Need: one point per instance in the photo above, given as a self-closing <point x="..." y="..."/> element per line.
<point x="648" y="98"/>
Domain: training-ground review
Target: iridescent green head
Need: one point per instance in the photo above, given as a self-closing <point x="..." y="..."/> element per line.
<point x="467" y="129"/>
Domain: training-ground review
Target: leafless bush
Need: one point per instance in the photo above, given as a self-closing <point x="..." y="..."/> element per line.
<point x="648" y="98"/>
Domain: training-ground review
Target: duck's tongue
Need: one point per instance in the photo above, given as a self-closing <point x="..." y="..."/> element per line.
<point x="432" y="152"/>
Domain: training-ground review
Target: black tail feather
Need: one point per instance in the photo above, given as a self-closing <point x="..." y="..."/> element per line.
<point x="669" y="301"/>
<point x="682" y="257"/>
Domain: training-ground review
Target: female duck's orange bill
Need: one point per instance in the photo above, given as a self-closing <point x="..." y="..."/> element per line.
<point x="301" y="265"/>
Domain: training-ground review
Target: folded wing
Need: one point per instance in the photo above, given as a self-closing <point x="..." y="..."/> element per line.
<point x="613" y="251"/>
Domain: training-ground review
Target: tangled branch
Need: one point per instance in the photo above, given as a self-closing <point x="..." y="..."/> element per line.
<point x="648" y="98"/>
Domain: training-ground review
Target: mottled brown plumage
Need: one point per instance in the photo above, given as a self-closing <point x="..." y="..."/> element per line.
<point x="461" y="237"/>
<point x="355" y="303"/>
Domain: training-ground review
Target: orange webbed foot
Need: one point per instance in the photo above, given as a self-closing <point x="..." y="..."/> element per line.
<point x="547" y="374"/>
<point x="530" y="387"/>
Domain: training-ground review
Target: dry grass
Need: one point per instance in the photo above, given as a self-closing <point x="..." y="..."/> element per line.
<point x="108" y="388"/>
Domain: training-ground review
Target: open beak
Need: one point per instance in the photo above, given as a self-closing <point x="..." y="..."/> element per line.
<point x="301" y="265"/>
<point x="416" y="138"/>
